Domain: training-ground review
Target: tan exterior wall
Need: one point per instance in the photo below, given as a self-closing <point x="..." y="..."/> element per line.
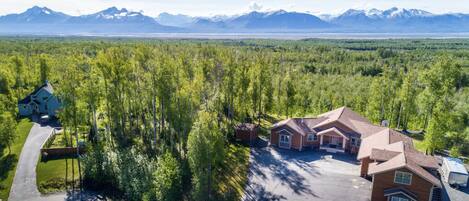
<point x="382" y="181"/>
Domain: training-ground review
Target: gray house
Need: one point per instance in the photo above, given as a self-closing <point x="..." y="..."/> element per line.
<point x="41" y="101"/>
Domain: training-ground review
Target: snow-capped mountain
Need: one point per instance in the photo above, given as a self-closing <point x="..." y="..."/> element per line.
<point x="274" y="20"/>
<point x="109" y="21"/>
<point x="35" y="15"/>
<point x="399" y="20"/>
<point x="386" y="14"/>
<point x="113" y="15"/>
<point x="42" y="20"/>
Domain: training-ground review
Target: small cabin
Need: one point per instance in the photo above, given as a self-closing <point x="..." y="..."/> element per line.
<point x="246" y="132"/>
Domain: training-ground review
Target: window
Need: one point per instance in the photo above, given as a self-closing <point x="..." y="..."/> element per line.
<point x="312" y="137"/>
<point x="355" y="141"/>
<point x="403" y="178"/>
<point x="284" y="139"/>
<point x="394" y="198"/>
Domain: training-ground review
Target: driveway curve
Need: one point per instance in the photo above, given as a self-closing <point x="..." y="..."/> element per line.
<point x="24" y="184"/>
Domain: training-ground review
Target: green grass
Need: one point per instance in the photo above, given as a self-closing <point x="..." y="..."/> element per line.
<point x="235" y="172"/>
<point x="8" y="162"/>
<point x="58" y="140"/>
<point x="418" y="142"/>
<point x="50" y="175"/>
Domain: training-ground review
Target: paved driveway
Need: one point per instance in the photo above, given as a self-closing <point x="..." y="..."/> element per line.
<point x="277" y="174"/>
<point x="24" y="186"/>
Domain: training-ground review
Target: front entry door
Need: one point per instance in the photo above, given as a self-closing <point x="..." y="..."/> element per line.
<point x="335" y="140"/>
<point x="284" y="141"/>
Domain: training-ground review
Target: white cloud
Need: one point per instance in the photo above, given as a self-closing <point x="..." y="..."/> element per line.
<point x="254" y="6"/>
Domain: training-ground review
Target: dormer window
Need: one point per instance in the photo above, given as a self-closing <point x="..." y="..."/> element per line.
<point x="403" y="178"/>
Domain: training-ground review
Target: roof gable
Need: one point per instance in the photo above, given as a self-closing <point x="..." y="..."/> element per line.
<point x="403" y="161"/>
<point x="47" y="87"/>
<point x="400" y="191"/>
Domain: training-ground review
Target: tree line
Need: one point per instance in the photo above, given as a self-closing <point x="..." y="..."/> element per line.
<point x="159" y="114"/>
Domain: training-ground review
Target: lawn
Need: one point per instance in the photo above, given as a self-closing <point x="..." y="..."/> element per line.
<point x="8" y="162"/>
<point x="234" y="177"/>
<point x="418" y="142"/>
<point x="58" y="140"/>
<point x="50" y="175"/>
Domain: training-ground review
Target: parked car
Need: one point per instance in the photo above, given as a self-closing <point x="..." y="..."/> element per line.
<point x="454" y="172"/>
<point x="44" y="119"/>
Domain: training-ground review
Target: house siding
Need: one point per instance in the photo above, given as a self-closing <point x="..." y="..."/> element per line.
<point x="40" y="102"/>
<point x="347" y="131"/>
<point x="295" y="137"/>
<point x="382" y="181"/>
<point x="52" y="106"/>
<point x="312" y="144"/>
<point x="246" y="135"/>
<point x="364" y="164"/>
<point x="296" y="142"/>
<point x="24" y="109"/>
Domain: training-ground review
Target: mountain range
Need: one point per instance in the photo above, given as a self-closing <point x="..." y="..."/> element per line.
<point x="42" y="20"/>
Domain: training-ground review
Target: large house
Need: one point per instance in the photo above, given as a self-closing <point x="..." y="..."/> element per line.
<point x="398" y="171"/>
<point x="40" y="101"/>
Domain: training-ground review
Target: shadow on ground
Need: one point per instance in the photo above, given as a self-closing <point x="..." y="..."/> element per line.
<point x="279" y="174"/>
<point x="279" y="168"/>
<point x="7" y="164"/>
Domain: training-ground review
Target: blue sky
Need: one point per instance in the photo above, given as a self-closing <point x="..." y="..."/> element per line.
<point x="229" y="7"/>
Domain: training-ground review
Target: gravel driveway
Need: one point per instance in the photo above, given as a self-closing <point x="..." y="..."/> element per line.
<point x="277" y="174"/>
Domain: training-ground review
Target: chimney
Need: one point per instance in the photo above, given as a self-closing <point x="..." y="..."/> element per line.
<point x="385" y="123"/>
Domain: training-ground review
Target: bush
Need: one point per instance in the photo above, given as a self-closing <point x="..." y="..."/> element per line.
<point x="167" y="179"/>
<point x="455" y="152"/>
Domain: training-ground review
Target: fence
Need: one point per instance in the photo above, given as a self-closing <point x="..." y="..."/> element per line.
<point x="59" y="152"/>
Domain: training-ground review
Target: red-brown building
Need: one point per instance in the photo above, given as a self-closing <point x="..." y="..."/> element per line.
<point x="340" y="130"/>
<point x="398" y="171"/>
<point x="246" y="132"/>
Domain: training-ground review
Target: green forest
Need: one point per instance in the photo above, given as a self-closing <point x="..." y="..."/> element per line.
<point x="159" y="114"/>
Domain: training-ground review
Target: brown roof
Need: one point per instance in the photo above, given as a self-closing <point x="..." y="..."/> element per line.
<point x="382" y="155"/>
<point x="403" y="161"/>
<point x="377" y="140"/>
<point x="332" y="131"/>
<point x="398" y="153"/>
<point x="293" y="123"/>
<point x="246" y="126"/>
<point x="342" y="115"/>
<point x="378" y="143"/>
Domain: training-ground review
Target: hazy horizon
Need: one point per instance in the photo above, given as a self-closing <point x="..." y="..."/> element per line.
<point x="231" y="7"/>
